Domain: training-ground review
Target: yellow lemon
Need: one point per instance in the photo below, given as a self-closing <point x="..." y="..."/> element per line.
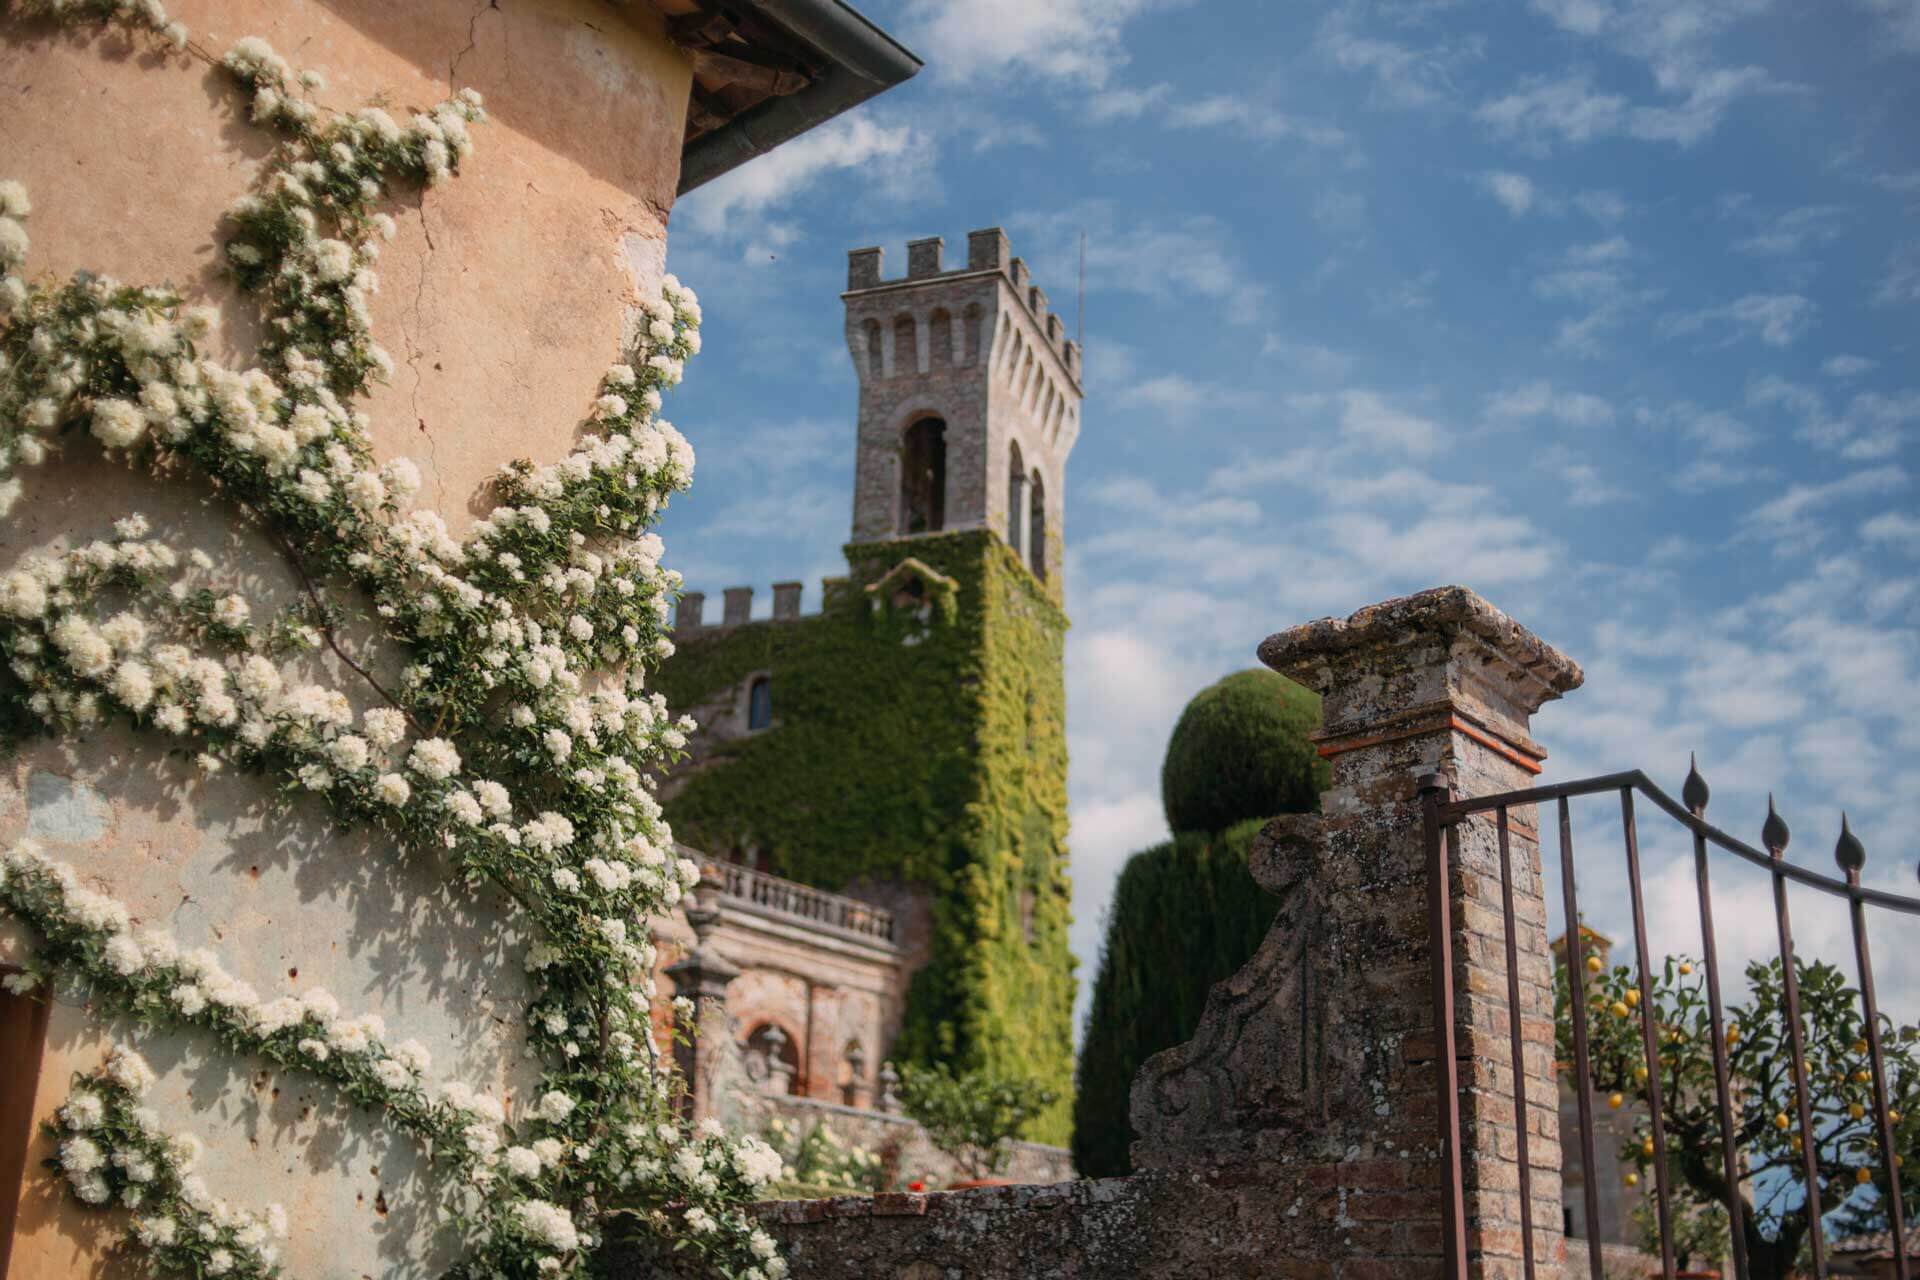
<point x="1855" y="1110"/>
<point x="1780" y="1121"/>
<point x="1685" y="967"/>
<point x="1632" y="1179"/>
<point x="1619" y="1009"/>
<point x="1862" y="1076"/>
<point x="1859" y="1046"/>
<point x="1616" y="1100"/>
<point x="1863" y="1175"/>
<point x="1646" y="1147"/>
<point x="1633" y="998"/>
<point x="1594" y="965"/>
<point x="1639" y="1075"/>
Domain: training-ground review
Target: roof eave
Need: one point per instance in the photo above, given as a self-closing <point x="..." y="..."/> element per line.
<point x="862" y="61"/>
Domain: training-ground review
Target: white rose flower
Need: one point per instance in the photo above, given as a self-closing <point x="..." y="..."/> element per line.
<point x="391" y="788"/>
<point x="118" y="423"/>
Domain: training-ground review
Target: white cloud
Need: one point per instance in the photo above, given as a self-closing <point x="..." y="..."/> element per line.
<point x="1777" y="319"/>
<point x="1844" y="366"/>
<point x="1604" y="207"/>
<point x="1310" y="358"/>
<point x="1077" y="41"/>
<point x="1371" y="419"/>
<point x="1582" y="17"/>
<point x="1788" y="513"/>
<point x="1901" y="283"/>
<point x="1538" y="399"/>
<point x="1900" y="19"/>
<point x="1255" y="120"/>
<point x="1176" y="396"/>
<point x="1593" y="277"/>
<point x="1874" y="424"/>
<point x="1895" y="528"/>
<point x="1794" y="230"/>
<point x="1546" y="109"/>
<point x="1126" y="104"/>
<point x="853" y="141"/>
<point x="1175" y="261"/>
<point x="1403" y="76"/>
<point x="1584" y="486"/>
<point x="1515" y="191"/>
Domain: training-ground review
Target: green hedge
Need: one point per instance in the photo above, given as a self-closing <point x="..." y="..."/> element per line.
<point x="1185" y="915"/>
<point x="1241" y="751"/>
<point x="931" y="752"/>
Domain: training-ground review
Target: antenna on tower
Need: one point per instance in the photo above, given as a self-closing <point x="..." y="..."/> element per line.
<point x="1081" y="323"/>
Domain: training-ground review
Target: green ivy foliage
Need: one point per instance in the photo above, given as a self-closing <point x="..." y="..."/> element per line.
<point x="1185" y="915"/>
<point x="924" y="745"/>
<point x="1241" y="751"/>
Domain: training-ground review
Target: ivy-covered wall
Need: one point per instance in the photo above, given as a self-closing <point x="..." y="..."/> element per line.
<point x="925" y="745"/>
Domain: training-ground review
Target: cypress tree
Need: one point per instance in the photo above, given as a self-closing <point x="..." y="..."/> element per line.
<point x="1186" y="914"/>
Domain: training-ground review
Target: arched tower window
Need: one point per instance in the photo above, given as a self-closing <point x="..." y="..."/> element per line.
<point x="760" y="703"/>
<point x="1037" y="527"/>
<point x="923" y="477"/>
<point x="1016" y="498"/>
<point x="874" y="366"/>
<point x="940" y="338"/>
<point x="906" y="349"/>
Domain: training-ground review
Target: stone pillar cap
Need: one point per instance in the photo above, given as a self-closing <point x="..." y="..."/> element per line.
<point x="1308" y="653"/>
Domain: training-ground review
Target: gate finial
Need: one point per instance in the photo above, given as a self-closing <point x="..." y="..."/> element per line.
<point x="1847" y="850"/>
<point x="1694" y="792"/>
<point x="1773" y="832"/>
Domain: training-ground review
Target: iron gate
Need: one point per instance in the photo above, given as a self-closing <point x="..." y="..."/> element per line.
<point x="1443" y="817"/>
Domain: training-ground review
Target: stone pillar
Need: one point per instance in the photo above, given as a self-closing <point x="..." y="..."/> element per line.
<point x="923" y="257"/>
<point x="687" y="616"/>
<point x="737" y="606"/>
<point x="863" y="268"/>
<point x="1313" y="1079"/>
<point x="786" y="599"/>
<point x="707" y="1060"/>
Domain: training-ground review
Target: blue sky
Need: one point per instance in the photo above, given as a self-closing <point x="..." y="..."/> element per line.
<point x="1604" y="309"/>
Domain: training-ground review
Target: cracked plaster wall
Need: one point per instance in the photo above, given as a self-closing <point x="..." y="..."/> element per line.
<point x="504" y="296"/>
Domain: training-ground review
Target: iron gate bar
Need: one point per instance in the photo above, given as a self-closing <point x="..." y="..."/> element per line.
<point x="1851" y="855"/>
<point x="1649" y="1041"/>
<point x="1434" y="789"/>
<point x="1583" y="1080"/>
<point x="1519" y="1050"/>
<point x="1775" y="834"/>
<point x="1695" y="794"/>
<point x="1452" y="811"/>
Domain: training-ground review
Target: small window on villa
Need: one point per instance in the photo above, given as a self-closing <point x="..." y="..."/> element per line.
<point x="760" y="703"/>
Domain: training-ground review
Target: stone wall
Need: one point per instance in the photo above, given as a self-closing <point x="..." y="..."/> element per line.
<point x="506" y="293"/>
<point x="1299" y="1133"/>
<point x="906" y="1151"/>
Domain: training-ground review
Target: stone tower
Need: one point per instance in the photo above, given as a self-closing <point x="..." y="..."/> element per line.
<point x="907" y="744"/>
<point x="969" y="400"/>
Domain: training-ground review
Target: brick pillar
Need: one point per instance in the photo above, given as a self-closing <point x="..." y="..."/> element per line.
<point x="707" y="1057"/>
<point x="736" y="606"/>
<point x="786" y="599"/>
<point x="1322" y="1051"/>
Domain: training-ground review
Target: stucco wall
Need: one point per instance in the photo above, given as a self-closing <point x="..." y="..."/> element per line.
<point x="505" y="294"/>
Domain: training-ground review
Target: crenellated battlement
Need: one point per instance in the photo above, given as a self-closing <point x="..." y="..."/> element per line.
<point x="988" y="250"/>
<point x="737" y="605"/>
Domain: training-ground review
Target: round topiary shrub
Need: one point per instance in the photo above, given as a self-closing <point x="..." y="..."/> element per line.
<point x="1241" y="751"/>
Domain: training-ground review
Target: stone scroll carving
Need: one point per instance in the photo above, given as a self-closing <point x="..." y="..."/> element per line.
<point x="1258" y="1061"/>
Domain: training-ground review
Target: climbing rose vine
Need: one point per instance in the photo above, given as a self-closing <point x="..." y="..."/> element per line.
<point x="517" y="746"/>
